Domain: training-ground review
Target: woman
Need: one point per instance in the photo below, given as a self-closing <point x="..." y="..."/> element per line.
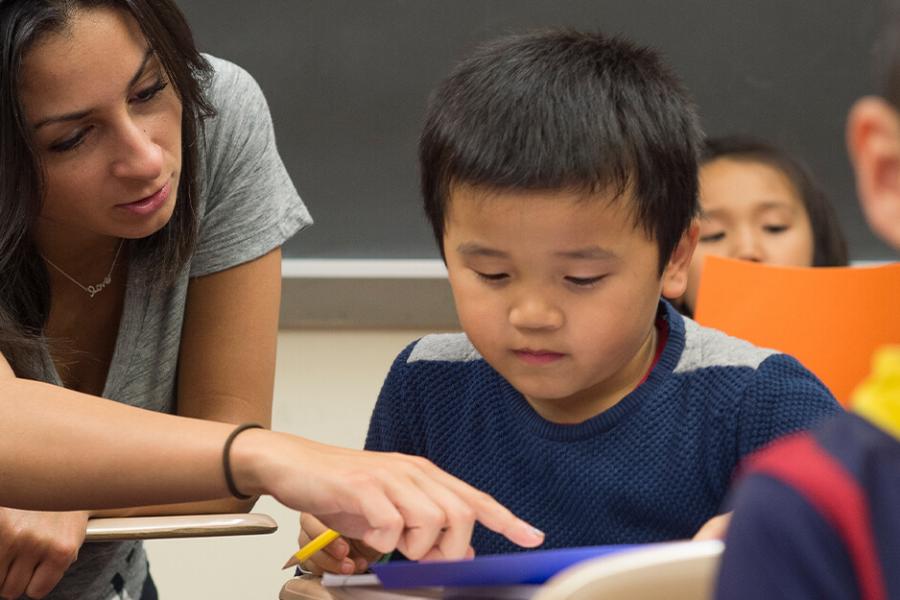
<point x="142" y="207"/>
<point x="760" y="204"/>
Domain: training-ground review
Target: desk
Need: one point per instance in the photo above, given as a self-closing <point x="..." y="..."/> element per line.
<point x="310" y="588"/>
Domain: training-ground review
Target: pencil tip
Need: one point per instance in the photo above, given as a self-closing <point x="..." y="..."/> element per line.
<point x="292" y="562"/>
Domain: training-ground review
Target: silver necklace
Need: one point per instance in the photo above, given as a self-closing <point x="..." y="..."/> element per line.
<point x="95" y="289"/>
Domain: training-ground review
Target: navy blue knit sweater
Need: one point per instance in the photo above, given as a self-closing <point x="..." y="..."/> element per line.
<point x="653" y="467"/>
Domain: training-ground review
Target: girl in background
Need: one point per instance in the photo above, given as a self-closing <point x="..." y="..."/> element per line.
<point x="758" y="203"/>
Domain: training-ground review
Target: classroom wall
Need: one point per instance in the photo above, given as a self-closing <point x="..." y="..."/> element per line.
<point x="326" y="383"/>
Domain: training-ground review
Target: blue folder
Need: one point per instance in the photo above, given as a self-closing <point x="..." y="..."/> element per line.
<point x="499" y="569"/>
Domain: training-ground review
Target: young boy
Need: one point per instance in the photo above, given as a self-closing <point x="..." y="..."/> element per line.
<point x="816" y="515"/>
<point x="559" y="171"/>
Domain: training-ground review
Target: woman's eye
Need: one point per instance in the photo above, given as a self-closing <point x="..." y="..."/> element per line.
<point x="584" y="281"/>
<point x="70" y="143"/>
<point x="492" y="277"/>
<point x="147" y="94"/>
<point x="775" y="228"/>
<point x="712" y="237"/>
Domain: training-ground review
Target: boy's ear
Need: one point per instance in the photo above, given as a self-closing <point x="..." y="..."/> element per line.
<point x="873" y="142"/>
<point x="675" y="276"/>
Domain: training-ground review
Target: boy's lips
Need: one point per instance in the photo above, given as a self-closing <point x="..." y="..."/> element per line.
<point x="537" y="357"/>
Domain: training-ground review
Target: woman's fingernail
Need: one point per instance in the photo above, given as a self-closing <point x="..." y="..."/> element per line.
<point x="347" y="567"/>
<point x="537" y="532"/>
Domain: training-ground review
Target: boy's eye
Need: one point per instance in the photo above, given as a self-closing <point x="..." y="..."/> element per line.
<point x="493" y="277"/>
<point x="584" y="281"/>
<point x="712" y="237"/>
<point x="775" y="228"/>
<point x="147" y="94"/>
<point x="70" y="143"/>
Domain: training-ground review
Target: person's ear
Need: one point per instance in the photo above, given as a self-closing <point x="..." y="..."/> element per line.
<point x="675" y="276"/>
<point x="873" y="142"/>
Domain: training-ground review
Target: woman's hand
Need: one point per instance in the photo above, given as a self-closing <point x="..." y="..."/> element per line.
<point x="36" y="548"/>
<point x="387" y="501"/>
<point x="343" y="555"/>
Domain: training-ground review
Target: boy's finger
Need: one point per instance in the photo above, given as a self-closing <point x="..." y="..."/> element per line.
<point x="322" y="563"/>
<point x="361" y="564"/>
<point x="338" y="549"/>
<point x="311" y="528"/>
<point x="359" y="549"/>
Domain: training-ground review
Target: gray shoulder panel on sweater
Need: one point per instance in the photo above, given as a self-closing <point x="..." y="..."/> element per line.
<point x="453" y="347"/>
<point x="705" y="347"/>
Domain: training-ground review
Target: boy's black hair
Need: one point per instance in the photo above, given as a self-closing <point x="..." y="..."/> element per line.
<point x="829" y="244"/>
<point x="561" y="109"/>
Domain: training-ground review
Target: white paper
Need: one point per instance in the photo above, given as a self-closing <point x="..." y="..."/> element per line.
<point x="336" y="580"/>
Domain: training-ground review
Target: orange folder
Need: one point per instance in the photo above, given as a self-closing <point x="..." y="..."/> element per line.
<point x="830" y="318"/>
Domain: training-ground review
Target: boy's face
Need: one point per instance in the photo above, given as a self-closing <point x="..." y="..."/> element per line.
<point x="559" y="292"/>
<point x="873" y="140"/>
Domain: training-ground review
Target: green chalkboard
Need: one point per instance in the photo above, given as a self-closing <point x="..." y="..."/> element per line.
<point x="347" y="80"/>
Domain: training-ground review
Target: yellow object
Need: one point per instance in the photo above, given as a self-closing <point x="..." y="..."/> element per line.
<point x="322" y="540"/>
<point x="878" y="397"/>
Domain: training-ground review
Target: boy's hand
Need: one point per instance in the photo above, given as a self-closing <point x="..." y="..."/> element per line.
<point x="714" y="529"/>
<point x="343" y="555"/>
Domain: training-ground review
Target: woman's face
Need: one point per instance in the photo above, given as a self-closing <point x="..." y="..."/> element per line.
<point x="751" y="211"/>
<point x="107" y="128"/>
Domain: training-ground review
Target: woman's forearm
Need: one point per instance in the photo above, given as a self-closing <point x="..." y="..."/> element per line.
<point x="61" y="450"/>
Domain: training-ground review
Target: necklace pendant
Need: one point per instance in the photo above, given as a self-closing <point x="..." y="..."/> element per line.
<point x="92" y="290"/>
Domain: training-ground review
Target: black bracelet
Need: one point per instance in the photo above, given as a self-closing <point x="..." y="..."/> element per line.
<point x="226" y="458"/>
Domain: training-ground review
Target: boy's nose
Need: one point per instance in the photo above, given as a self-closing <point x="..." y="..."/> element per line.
<point x="535" y="313"/>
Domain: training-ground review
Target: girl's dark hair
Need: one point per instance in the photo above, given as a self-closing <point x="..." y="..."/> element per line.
<point x="24" y="284"/>
<point x="829" y="244"/>
<point x="562" y="109"/>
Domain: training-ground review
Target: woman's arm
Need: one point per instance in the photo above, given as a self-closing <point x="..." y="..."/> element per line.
<point x="226" y="368"/>
<point x="63" y="450"/>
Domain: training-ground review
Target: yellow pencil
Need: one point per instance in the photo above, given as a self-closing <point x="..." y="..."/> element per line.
<point x="322" y="540"/>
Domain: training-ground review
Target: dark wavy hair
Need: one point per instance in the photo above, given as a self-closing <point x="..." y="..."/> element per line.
<point x="829" y="243"/>
<point x="24" y="284"/>
<point x="561" y="109"/>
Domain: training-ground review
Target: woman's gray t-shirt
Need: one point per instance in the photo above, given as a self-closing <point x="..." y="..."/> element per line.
<point x="247" y="206"/>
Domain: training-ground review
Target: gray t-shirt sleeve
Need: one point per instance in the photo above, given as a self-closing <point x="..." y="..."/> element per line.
<point x="248" y="204"/>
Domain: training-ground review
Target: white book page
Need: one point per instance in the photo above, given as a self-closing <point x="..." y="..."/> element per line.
<point x="337" y="580"/>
